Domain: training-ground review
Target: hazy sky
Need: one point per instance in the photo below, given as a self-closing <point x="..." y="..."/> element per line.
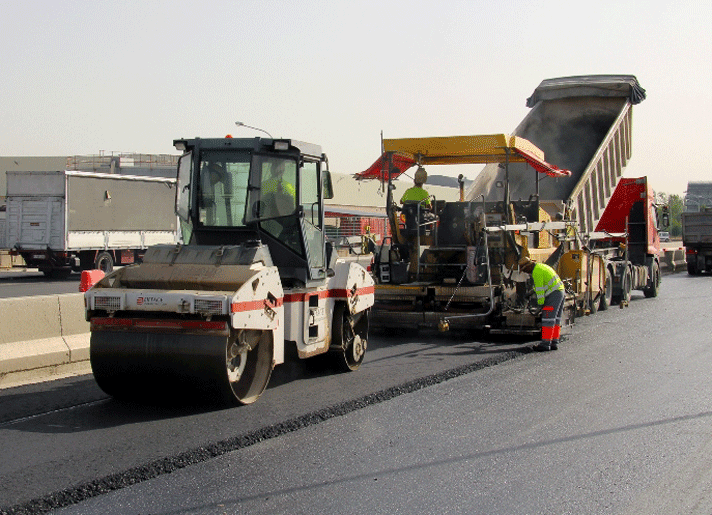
<point x="80" y="77"/>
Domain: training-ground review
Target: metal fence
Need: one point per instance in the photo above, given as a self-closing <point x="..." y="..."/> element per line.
<point x="124" y="162"/>
<point x="349" y="232"/>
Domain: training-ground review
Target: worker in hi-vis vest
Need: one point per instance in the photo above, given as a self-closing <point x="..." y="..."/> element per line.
<point x="279" y="182"/>
<point x="550" y="295"/>
<point x="278" y="189"/>
<point x="417" y="193"/>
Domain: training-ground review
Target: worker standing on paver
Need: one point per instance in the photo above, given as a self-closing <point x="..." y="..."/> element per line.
<point x="550" y="295"/>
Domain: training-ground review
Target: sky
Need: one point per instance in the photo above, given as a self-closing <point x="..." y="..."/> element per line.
<point x="131" y="76"/>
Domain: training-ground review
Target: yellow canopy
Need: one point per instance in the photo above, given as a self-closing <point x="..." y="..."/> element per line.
<point x="489" y="148"/>
<point x="401" y="154"/>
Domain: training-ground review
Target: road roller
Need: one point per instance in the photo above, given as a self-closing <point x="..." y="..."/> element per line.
<point x="252" y="279"/>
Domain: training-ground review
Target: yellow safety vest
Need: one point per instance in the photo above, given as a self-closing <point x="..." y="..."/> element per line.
<point x="415" y="194"/>
<point x="276" y="185"/>
<point x="545" y="281"/>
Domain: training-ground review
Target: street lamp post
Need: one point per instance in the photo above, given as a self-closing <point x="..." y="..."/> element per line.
<point x="241" y="124"/>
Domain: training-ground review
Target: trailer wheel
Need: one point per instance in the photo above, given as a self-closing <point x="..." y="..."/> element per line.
<point x="350" y="337"/>
<point x="607" y="294"/>
<point x="104" y="262"/>
<point x="652" y="290"/>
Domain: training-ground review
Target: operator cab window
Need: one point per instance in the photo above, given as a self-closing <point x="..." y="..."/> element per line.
<point x="279" y="187"/>
<point x="278" y="201"/>
<point x="223" y="189"/>
<point x="312" y="215"/>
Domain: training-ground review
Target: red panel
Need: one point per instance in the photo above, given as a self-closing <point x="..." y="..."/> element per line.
<point x="379" y="169"/>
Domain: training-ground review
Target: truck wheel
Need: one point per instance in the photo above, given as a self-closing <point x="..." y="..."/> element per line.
<point x="692" y="269"/>
<point x="350" y="337"/>
<point x="57" y="273"/>
<point x="104" y="262"/>
<point x="652" y="290"/>
<point x="607" y="293"/>
<point x="626" y="286"/>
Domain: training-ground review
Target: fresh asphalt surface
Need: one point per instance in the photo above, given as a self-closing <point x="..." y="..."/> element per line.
<point x="617" y="421"/>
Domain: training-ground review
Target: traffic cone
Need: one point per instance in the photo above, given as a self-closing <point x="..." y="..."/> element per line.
<point x="89" y="279"/>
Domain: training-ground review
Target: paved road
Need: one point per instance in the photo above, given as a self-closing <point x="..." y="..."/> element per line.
<point x="30" y="283"/>
<point x="617" y="421"/>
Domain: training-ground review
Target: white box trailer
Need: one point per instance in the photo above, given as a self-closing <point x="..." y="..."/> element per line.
<point x="66" y="221"/>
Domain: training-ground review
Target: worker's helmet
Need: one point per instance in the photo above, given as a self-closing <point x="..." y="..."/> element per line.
<point x="421" y="176"/>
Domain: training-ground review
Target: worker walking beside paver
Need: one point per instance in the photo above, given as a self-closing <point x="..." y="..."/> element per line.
<point x="550" y="294"/>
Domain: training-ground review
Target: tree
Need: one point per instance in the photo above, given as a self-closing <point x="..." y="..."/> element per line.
<point x="675" y="206"/>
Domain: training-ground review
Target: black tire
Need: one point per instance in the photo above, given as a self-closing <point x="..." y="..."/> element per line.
<point x="57" y="273"/>
<point x="348" y="344"/>
<point x="607" y="294"/>
<point x="104" y="262"/>
<point x="626" y="286"/>
<point x="692" y="269"/>
<point x="255" y="361"/>
<point x="652" y="289"/>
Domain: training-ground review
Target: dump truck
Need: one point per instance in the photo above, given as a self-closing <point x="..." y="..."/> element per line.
<point x="582" y="124"/>
<point x="255" y="281"/>
<point x="697" y="240"/>
<point x="66" y="221"/>
<point x="627" y="238"/>
<point x="455" y="264"/>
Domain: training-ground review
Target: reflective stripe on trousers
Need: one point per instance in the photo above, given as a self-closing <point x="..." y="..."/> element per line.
<point x="553" y="309"/>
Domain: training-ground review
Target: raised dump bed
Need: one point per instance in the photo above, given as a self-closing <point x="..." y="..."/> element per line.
<point x="583" y="124"/>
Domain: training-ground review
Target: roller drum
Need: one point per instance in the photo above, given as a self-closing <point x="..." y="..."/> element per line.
<point x="143" y="365"/>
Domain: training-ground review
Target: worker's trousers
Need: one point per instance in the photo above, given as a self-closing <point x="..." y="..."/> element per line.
<point x="551" y="316"/>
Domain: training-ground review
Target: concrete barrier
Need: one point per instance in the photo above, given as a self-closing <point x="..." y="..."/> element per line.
<point x="7" y="261"/>
<point x="42" y="337"/>
<point x="673" y="261"/>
